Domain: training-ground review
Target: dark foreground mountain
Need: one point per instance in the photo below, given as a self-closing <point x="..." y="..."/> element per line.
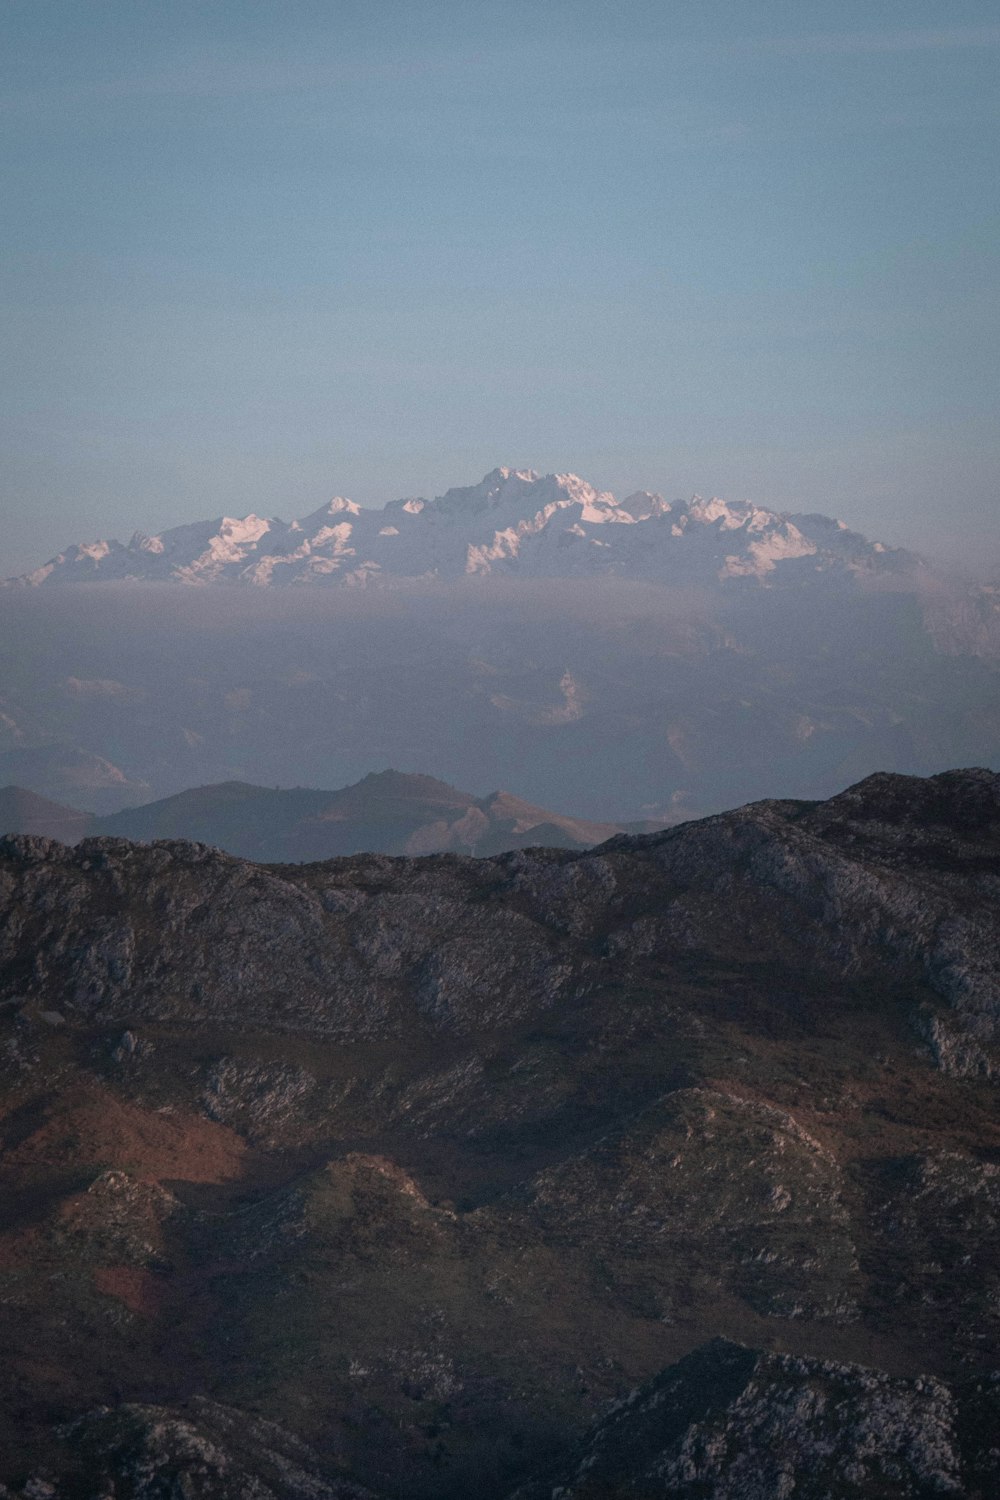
<point x="388" y="812"/>
<point x="667" y="1168"/>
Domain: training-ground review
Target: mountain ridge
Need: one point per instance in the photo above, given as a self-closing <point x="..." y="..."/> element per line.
<point x="386" y="812"/>
<point x="515" y="521"/>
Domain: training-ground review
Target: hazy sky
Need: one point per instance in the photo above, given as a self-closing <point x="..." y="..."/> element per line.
<point x="257" y="254"/>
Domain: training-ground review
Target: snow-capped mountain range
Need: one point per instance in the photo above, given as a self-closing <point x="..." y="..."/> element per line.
<point x="514" y="522"/>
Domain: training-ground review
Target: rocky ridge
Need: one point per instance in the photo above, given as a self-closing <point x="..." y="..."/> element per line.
<point x="732" y="1422"/>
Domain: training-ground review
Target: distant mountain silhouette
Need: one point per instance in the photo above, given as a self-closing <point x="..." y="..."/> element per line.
<point x="60" y="771"/>
<point x="22" y="811"/>
<point x="388" y="812"/>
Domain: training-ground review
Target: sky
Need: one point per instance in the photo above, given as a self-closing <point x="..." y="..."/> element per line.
<point x="257" y="254"/>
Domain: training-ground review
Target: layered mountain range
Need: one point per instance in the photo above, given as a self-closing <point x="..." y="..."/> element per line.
<point x="619" y="661"/>
<point x="513" y="522"/>
<point x="669" y="1168"/>
<point x="387" y="812"/>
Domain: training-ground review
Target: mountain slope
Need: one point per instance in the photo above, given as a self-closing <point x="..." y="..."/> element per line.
<point x="424" y="1162"/>
<point x="513" y="521"/>
<point x="22" y="811"/>
<point x="52" y="771"/>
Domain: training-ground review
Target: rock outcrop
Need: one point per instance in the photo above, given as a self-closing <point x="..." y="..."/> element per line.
<point x="729" y="1423"/>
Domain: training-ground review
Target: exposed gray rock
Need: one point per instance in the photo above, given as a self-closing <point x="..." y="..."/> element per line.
<point x="258" y="1098"/>
<point x="716" y="1191"/>
<point x="731" y="1423"/>
<point x="204" y="1452"/>
<point x="369" y="946"/>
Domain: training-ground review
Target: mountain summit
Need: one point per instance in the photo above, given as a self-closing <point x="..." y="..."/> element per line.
<point x="514" y="522"/>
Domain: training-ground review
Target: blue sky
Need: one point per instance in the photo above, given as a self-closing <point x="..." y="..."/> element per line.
<point x="260" y="254"/>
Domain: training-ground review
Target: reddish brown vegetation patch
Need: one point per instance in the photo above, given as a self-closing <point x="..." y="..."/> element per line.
<point x="139" y="1290"/>
<point x="94" y="1129"/>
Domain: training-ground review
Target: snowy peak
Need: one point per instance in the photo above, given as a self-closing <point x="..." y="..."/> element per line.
<point x="513" y="522"/>
<point x="726" y="516"/>
<point x="336" y="509"/>
<point x="643" y="505"/>
<point x="521" y="491"/>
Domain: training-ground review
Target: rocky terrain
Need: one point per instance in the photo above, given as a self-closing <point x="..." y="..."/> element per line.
<point x="728" y="1421"/>
<point x="387" y="812"/>
<point x="666" y="1168"/>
